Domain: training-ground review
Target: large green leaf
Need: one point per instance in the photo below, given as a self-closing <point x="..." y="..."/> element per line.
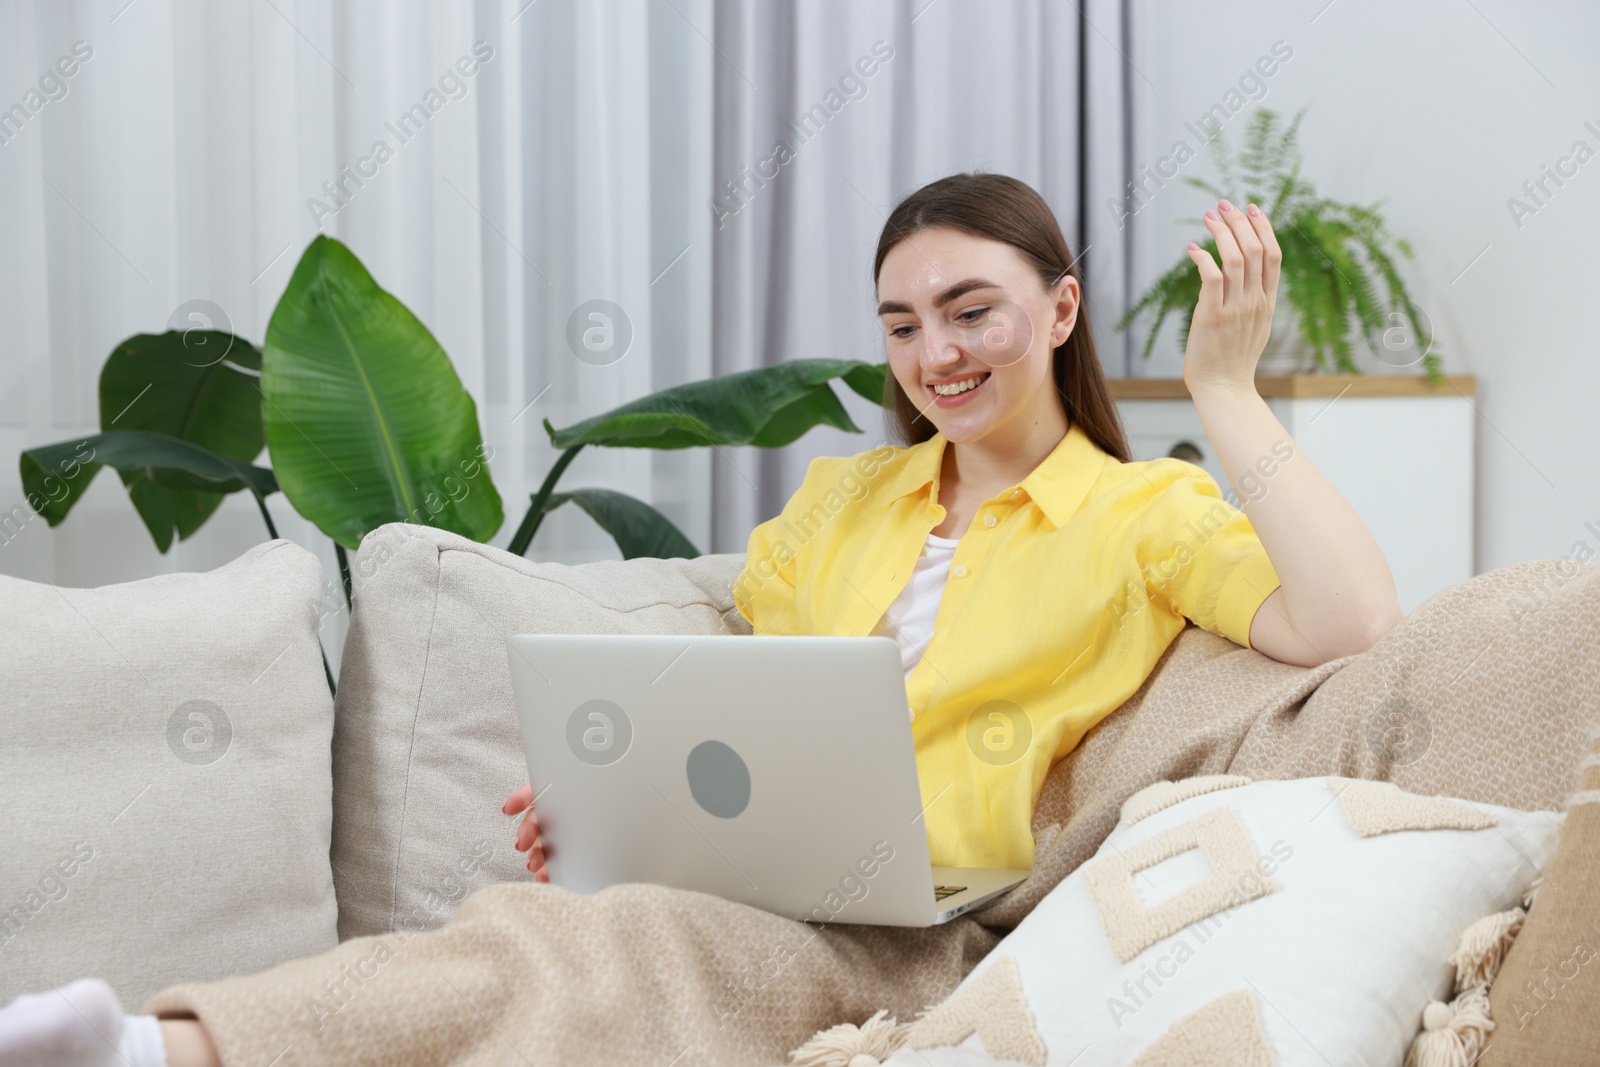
<point x="638" y="528"/>
<point x="365" y="418"/>
<point x="55" y="476"/>
<point x="868" y="380"/>
<point x="192" y="385"/>
<point x="767" y="407"/>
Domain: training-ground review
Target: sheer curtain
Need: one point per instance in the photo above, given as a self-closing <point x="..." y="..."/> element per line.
<point x="615" y="150"/>
<point x="200" y="146"/>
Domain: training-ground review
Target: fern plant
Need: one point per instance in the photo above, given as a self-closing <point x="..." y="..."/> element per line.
<point x="1331" y="255"/>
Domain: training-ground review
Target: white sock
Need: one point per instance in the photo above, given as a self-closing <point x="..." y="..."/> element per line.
<point x="80" y="1024"/>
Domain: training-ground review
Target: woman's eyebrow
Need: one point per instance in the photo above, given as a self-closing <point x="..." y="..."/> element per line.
<point x="891" y="307"/>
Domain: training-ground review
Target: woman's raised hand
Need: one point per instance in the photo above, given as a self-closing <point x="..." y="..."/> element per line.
<point x="529" y="839"/>
<point x="1233" y="318"/>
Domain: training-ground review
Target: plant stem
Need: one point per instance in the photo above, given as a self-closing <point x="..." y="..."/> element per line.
<point x="530" y="522"/>
<point x="333" y="690"/>
<point x="344" y="572"/>
<point x="272" y="531"/>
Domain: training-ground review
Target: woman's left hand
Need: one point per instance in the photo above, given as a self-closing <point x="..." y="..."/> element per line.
<point x="1233" y="319"/>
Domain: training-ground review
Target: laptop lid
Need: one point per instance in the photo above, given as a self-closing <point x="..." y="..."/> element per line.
<point x="773" y="771"/>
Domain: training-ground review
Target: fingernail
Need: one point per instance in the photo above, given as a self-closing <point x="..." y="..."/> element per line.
<point x="1213" y="216"/>
<point x="1193" y="246"/>
<point x="1252" y="211"/>
<point x="1226" y="206"/>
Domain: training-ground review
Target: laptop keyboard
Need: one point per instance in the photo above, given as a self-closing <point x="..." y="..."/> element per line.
<point x="942" y="891"/>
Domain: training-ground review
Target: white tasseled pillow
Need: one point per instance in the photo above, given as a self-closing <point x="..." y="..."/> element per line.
<point x="1310" y="921"/>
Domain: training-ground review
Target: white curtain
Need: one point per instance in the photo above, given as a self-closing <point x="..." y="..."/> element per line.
<point x="185" y="159"/>
<point x="600" y="150"/>
<point x="1031" y="88"/>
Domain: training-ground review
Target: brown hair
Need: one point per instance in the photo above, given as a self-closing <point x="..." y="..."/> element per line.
<point x="1004" y="209"/>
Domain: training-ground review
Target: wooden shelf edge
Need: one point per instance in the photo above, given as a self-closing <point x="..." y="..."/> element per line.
<point x="1307" y="385"/>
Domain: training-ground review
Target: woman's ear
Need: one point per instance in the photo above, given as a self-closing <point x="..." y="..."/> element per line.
<point x="1067" y="299"/>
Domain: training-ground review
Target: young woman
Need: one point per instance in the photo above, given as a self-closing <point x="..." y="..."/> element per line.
<point x="1030" y="573"/>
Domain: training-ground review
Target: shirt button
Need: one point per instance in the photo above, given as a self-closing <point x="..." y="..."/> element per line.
<point x="960" y="570"/>
<point x="1016" y="492"/>
<point x="989" y="520"/>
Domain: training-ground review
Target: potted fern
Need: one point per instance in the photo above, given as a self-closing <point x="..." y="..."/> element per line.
<point x="1335" y="256"/>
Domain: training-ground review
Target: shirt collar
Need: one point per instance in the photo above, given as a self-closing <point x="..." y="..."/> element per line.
<point x="1058" y="485"/>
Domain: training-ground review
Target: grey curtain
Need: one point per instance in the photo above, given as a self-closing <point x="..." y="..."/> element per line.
<point x="828" y="112"/>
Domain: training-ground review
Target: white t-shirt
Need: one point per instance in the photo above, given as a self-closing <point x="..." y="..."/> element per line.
<point x="909" y="619"/>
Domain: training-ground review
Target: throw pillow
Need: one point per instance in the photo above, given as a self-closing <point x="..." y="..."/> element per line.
<point x="1546" y="998"/>
<point x="1306" y="921"/>
<point x="164" y="768"/>
<point x="426" y="744"/>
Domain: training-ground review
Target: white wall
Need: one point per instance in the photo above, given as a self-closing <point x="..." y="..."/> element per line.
<point x="1443" y="109"/>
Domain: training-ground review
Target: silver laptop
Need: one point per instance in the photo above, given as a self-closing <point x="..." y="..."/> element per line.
<point x="773" y="771"/>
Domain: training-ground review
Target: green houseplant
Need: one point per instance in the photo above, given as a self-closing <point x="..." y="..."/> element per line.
<point x="367" y="423"/>
<point x="1334" y="257"/>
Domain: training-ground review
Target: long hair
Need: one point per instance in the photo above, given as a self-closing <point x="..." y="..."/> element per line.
<point x="1004" y="209"/>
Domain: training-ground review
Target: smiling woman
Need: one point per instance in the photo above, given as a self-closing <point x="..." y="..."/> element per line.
<point x="1032" y="574"/>
<point x="981" y="304"/>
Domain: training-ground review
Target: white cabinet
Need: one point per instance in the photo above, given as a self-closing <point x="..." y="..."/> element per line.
<point x="1400" y="451"/>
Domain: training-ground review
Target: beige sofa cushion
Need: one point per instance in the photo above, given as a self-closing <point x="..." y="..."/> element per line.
<point x="165" y="778"/>
<point x="426" y="746"/>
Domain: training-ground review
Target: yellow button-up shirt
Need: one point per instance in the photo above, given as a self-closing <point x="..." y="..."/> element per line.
<point x="1063" y="593"/>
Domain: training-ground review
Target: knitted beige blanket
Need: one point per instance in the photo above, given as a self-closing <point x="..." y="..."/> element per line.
<point x="1484" y="692"/>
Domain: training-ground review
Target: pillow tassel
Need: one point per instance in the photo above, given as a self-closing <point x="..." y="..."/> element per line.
<point x="848" y="1045"/>
<point x="1484" y="946"/>
<point x="1453" y="1034"/>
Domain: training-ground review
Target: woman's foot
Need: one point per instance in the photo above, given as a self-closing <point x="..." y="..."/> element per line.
<point x="80" y="1024"/>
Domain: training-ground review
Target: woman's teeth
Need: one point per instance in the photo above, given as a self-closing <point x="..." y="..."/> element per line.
<point x="962" y="386"/>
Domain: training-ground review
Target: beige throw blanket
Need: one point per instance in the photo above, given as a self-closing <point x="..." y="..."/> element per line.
<point x="1485" y="692"/>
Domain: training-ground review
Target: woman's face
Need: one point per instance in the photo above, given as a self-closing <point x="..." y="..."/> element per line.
<point x="969" y="313"/>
